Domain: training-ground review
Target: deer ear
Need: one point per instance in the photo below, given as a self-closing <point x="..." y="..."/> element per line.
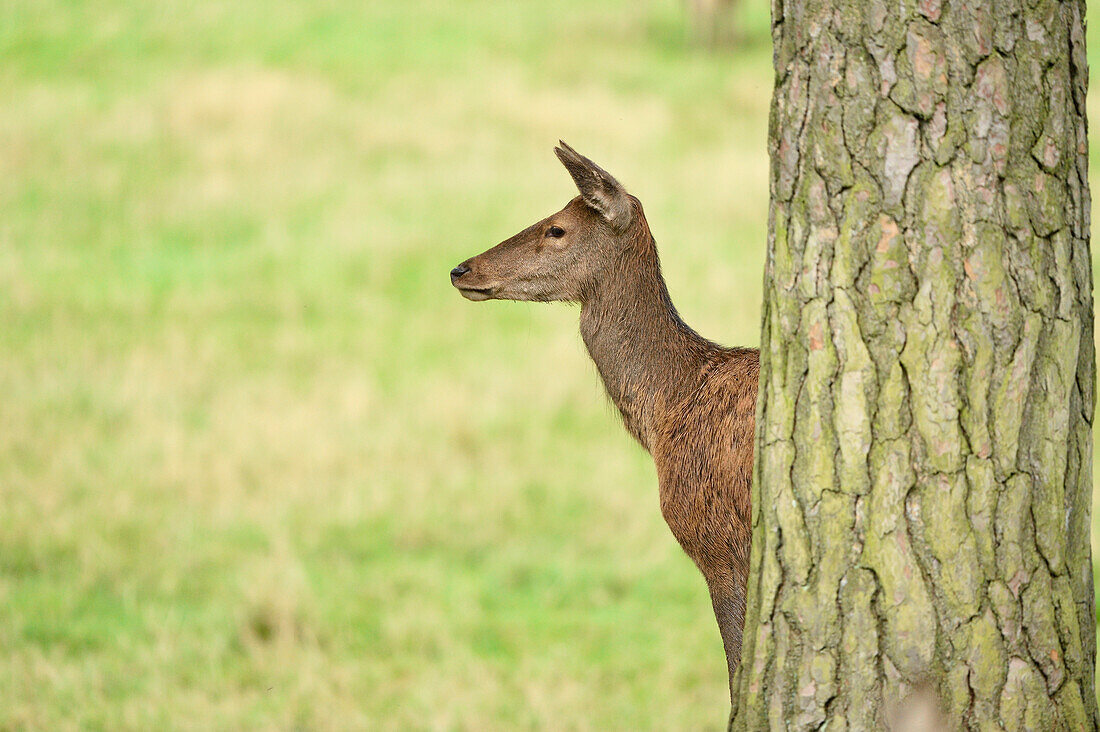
<point x="603" y="194"/>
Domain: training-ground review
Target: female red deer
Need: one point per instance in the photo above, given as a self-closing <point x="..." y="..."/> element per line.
<point x="689" y="402"/>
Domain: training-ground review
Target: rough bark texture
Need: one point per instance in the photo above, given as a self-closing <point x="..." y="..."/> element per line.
<point x="921" y="507"/>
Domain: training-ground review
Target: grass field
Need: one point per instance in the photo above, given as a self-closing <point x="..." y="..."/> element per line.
<point x="260" y="466"/>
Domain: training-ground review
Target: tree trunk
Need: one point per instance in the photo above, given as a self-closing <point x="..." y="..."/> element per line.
<point x="924" y="447"/>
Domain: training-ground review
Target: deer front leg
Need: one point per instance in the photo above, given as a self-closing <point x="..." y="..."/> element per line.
<point x="728" y="599"/>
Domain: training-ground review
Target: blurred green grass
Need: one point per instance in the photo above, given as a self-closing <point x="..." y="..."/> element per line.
<point x="260" y="466"/>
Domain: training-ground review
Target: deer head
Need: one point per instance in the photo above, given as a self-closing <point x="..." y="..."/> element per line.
<point x="563" y="256"/>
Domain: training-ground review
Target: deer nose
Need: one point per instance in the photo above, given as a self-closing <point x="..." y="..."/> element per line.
<point x="459" y="271"/>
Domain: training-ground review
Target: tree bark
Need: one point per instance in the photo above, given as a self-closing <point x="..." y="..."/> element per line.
<point x="924" y="448"/>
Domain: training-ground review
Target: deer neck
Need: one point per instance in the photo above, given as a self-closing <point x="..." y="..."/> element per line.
<point x="648" y="358"/>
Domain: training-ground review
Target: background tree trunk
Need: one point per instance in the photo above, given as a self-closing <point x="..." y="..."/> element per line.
<point x="921" y="508"/>
<point x="713" y="22"/>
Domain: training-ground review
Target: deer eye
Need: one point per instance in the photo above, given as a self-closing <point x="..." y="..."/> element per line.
<point x="556" y="232"/>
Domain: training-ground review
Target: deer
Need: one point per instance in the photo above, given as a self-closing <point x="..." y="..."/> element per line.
<point x="688" y="401"/>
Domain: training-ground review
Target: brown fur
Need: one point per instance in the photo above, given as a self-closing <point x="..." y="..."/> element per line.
<point x="688" y="401"/>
